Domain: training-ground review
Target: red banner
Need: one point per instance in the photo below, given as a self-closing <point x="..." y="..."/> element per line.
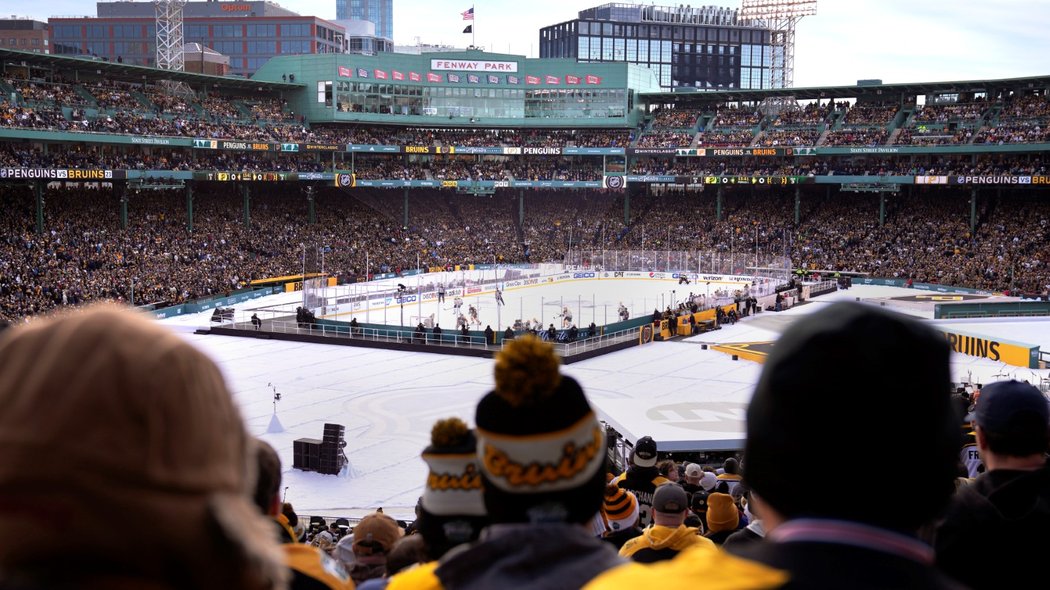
<point x="344" y="72"/>
<point x="552" y="80"/>
<point x="572" y="79"/>
<point x="432" y="77"/>
<point x="380" y="74"/>
<point x="413" y="76"/>
<point x="532" y="79"/>
<point x="398" y="75"/>
<point x="593" y="79"/>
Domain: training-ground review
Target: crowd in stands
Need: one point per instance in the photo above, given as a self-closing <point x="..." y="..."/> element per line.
<point x="219" y="108"/>
<point x="723" y="138"/>
<point x="40" y="92"/>
<point x="115" y="98"/>
<point x="268" y="120"/>
<point x="270" y="110"/>
<point x="168" y="103"/>
<point x="943" y="113"/>
<point x="742" y="116"/>
<point x="789" y="137"/>
<point x="27" y="117"/>
<point x="917" y="136"/>
<point x="868" y="137"/>
<point x="1015" y="132"/>
<point x="675" y="118"/>
<point x="871" y="114"/>
<point x="665" y="138"/>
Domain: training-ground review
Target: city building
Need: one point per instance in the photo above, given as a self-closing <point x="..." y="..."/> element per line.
<point x="199" y="59"/>
<point x="464" y="88"/>
<point x="380" y="12"/>
<point x="706" y="47"/>
<point x="249" y="33"/>
<point x="23" y="34"/>
<point x="361" y="38"/>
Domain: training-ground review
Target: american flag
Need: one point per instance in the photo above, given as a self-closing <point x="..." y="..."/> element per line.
<point x="469" y="15"/>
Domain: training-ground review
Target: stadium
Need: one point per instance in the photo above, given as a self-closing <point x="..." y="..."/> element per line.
<point x="311" y="226"/>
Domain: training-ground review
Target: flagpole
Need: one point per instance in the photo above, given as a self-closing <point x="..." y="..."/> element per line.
<point x="473" y="29"/>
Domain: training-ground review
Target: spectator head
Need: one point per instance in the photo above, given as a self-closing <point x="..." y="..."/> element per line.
<point x="268" y="479"/>
<point x="722" y="513"/>
<point x="793" y="416"/>
<point x="541" y="447"/>
<point x="107" y="413"/>
<point x="451" y="510"/>
<point x="731" y="466"/>
<point x="670" y="504"/>
<point x="375" y="535"/>
<point x="620" y="508"/>
<point x="644" y="452"/>
<point x="407" y="551"/>
<point x="708" y="481"/>
<point x="1012" y="419"/>
<point x="693" y="474"/>
<point x="698" y="503"/>
<point x="668" y="469"/>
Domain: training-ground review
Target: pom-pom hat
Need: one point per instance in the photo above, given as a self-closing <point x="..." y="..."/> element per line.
<point x="454" y="481"/>
<point x="540" y="444"/>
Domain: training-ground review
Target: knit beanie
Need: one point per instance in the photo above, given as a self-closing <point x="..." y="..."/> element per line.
<point x="620" y="508"/>
<point x="541" y="447"/>
<point x="722" y="514"/>
<point x="793" y="415"/>
<point x="107" y="415"/>
<point x="452" y="510"/>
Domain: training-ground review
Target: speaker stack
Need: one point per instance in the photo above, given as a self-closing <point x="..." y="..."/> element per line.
<point x="332" y="458"/>
<point x="323" y="456"/>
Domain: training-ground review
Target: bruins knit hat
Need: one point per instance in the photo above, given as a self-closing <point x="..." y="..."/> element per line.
<point x="541" y="447"/>
<point x="107" y="413"/>
<point x="454" y="480"/>
<point x="452" y="509"/>
<point x="793" y="415"/>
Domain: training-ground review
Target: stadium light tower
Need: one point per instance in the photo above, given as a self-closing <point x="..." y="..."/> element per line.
<point x="780" y="16"/>
<point x="169" y="34"/>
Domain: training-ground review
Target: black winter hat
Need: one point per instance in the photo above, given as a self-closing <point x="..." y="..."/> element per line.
<point x="826" y="378"/>
<point x="541" y="447"/>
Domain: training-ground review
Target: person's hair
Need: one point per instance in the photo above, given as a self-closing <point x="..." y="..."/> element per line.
<point x="665" y="467"/>
<point x="289" y="512"/>
<point x="268" y="480"/>
<point x="1021" y="442"/>
<point x="406" y="552"/>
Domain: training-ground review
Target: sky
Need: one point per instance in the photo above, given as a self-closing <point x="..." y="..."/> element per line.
<point x="892" y="40"/>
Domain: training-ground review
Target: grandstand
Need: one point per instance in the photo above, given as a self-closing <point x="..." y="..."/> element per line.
<point x="113" y="188"/>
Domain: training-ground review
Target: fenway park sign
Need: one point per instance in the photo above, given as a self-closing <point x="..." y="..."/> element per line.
<point x="473" y="65"/>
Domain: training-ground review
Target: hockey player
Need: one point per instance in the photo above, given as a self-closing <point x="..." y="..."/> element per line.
<point x="499" y="297"/>
<point x="473" y="311"/>
<point x="457" y="304"/>
<point x="566" y="317"/>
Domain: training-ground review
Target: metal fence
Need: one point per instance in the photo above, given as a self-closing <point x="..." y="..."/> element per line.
<point x="693" y="261"/>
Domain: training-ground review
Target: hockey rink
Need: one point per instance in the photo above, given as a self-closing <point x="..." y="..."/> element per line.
<point x="675" y="391"/>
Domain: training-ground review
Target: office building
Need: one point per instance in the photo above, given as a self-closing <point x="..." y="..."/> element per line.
<point x="707" y="47"/>
<point x="380" y="12"/>
<point x="250" y="33"/>
<point x="23" y="34"/>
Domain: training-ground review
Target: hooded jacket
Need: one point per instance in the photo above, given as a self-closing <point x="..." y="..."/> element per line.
<point x="658" y="543"/>
<point x="996" y="518"/>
